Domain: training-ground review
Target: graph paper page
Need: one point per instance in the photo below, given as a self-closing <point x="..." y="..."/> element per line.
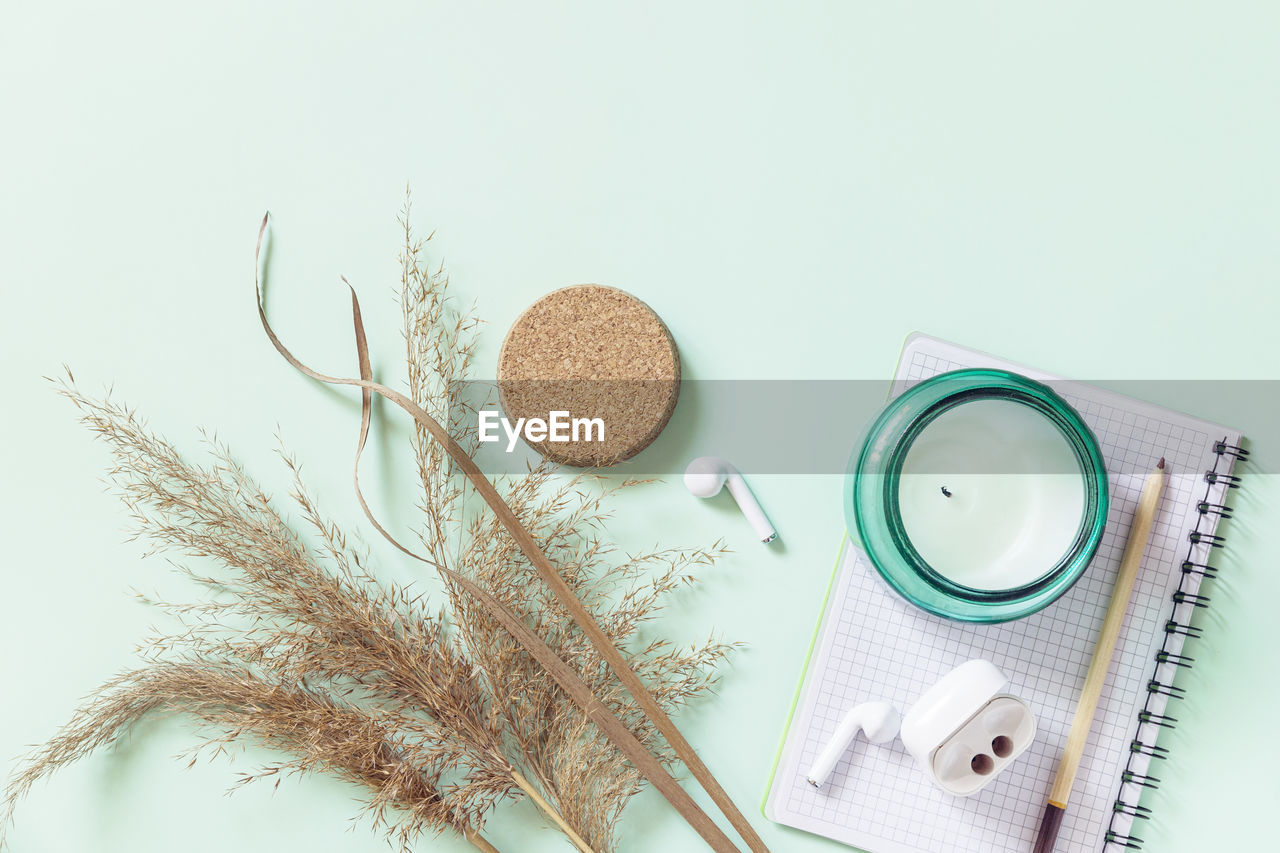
<point x="873" y="645"/>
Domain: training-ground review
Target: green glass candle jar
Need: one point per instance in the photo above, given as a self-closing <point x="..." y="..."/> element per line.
<point x="978" y="495"/>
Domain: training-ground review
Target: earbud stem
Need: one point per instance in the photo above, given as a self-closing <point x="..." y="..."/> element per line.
<point x="750" y="507"/>
<point x="879" y="721"/>
<point x="835" y="748"/>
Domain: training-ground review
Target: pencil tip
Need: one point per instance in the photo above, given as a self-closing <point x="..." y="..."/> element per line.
<point x="1160" y="464"/>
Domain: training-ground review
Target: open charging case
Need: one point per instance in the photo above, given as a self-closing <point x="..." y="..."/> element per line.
<point x="964" y="731"/>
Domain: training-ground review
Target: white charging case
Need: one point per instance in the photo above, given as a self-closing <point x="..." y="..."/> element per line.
<point x="964" y="731"/>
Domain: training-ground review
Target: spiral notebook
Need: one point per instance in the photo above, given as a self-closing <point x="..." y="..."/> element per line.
<point x="870" y="644"/>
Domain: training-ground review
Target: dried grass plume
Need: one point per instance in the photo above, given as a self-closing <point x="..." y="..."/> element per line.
<point x="439" y="716"/>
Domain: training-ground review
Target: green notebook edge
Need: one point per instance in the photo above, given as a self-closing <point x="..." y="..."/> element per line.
<point x="822" y="612"/>
<point x="804" y="673"/>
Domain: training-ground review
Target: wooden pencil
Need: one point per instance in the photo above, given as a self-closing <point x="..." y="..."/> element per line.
<point x="1139" y="533"/>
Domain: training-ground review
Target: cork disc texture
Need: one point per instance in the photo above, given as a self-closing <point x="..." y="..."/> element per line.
<point x="594" y="352"/>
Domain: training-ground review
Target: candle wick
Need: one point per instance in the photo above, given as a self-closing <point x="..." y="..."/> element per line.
<point x="946" y="491"/>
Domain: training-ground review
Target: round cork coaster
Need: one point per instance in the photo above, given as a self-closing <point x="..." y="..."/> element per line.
<point x="600" y="358"/>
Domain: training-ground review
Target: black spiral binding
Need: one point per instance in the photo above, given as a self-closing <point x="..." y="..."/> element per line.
<point x="1185" y="603"/>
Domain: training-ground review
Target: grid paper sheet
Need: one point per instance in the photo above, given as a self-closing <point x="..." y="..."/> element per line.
<point x="873" y="645"/>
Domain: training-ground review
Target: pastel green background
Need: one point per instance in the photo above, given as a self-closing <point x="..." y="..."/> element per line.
<point x="794" y="187"/>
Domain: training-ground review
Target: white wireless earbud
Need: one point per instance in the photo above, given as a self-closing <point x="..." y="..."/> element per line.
<point x="879" y="720"/>
<point x="707" y="475"/>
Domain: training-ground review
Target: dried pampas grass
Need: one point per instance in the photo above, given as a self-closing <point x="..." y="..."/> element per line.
<point x="440" y="717"/>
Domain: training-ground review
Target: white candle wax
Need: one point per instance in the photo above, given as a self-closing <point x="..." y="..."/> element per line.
<point x="1016" y="494"/>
